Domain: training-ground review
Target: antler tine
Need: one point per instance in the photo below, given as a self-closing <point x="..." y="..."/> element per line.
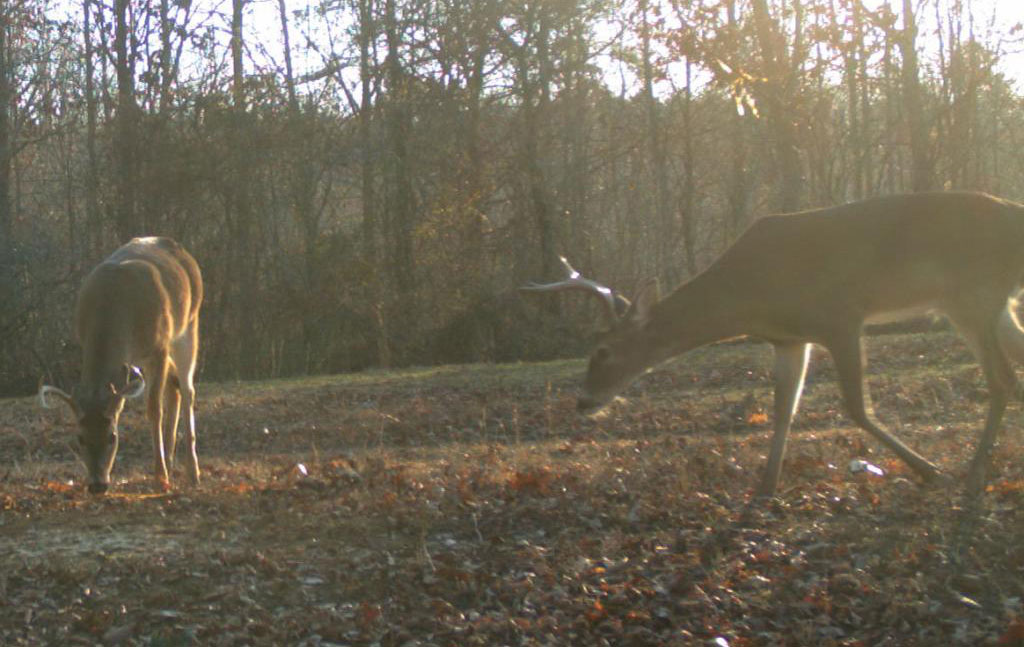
<point x="134" y="383"/>
<point x="46" y="389"/>
<point x="576" y="281"/>
<point x="570" y="271"/>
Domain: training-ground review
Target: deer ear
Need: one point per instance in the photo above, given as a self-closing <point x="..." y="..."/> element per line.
<point x="646" y="296"/>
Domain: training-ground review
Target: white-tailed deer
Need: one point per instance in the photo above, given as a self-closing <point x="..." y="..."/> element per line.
<point x="818" y="277"/>
<point x="139" y="306"/>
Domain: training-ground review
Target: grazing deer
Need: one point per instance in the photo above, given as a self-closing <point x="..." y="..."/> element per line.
<point x="818" y="277"/>
<point x="139" y="306"/>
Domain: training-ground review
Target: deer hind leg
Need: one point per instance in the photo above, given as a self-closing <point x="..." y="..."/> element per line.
<point x="1011" y="339"/>
<point x="156" y="373"/>
<point x="185" y="350"/>
<point x="848" y="354"/>
<point x="789" y="372"/>
<point x="991" y="341"/>
<point x="172" y="411"/>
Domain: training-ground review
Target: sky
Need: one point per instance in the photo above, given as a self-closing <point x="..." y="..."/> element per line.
<point x="1003" y="15"/>
<point x="992" y="16"/>
<point x="263" y="21"/>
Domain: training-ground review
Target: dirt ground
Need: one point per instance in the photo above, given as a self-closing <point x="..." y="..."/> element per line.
<point x="470" y="505"/>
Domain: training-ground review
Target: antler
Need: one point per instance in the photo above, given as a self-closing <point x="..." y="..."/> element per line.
<point x="134" y="383"/>
<point x="614" y="304"/>
<point x="134" y="386"/>
<point x="46" y="389"/>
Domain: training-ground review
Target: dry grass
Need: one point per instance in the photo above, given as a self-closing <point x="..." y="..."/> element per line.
<point x="470" y="505"/>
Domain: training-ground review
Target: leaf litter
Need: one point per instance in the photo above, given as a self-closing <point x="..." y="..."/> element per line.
<point x="471" y="506"/>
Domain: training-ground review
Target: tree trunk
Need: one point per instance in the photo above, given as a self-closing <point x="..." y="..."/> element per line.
<point x="166" y="65"/>
<point x="244" y="270"/>
<point x="9" y="293"/>
<point x="125" y="134"/>
<point x="688" y="203"/>
<point x="921" y="172"/>
<point x="289" y="77"/>
<point x="664" y="225"/>
<point x="93" y="219"/>
<point x="237" y="61"/>
<point x="6" y="153"/>
<point x="401" y="214"/>
<point x="370" y="224"/>
<point x="535" y="100"/>
<point x="781" y="88"/>
<point x="739" y="179"/>
<point x="577" y="155"/>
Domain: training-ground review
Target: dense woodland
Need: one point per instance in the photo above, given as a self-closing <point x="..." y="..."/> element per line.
<point x="365" y="182"/>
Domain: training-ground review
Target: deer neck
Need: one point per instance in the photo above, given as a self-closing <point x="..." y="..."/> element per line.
<point x="104" y="356"/>
<point x="698" y="313"/>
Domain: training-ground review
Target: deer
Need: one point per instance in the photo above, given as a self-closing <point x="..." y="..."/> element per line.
<point x="137" y="308"/>
<point x="819" y="277"/>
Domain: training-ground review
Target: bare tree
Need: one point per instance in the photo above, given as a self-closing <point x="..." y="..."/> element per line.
<point x="922" y="172"/>
<point x="6" y="148"/>
<point x="126" y="135"/>
<point x="779" y="90"/>
<point x="92" y="172"/>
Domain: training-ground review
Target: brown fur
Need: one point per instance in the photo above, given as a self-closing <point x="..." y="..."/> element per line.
<point x="818" y="277"/>
<point x="140" y="306"/>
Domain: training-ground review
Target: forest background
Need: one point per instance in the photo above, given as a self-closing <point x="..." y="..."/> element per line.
<point x="366" y="182"/>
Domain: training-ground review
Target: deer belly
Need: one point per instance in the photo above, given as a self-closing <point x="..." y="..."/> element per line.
<point x="900" y="314"/>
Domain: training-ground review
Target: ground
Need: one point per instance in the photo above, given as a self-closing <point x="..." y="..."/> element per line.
<point x="470" y="505"/>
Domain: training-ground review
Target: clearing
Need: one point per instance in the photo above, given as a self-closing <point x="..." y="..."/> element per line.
<point x="470" y="505"/>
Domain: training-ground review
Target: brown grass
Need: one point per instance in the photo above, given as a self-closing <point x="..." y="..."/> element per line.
<point x="470" y="505"/>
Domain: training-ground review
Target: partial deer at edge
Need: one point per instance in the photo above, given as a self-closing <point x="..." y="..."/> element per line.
<point x="138" y="307"/>
<point x="819" y="277"/>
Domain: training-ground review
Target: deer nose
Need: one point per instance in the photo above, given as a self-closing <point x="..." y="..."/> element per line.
<point x="98" y="488"/>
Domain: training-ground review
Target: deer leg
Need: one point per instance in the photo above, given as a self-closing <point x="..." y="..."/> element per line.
<point x="977" y="474"/>
<point x="172" y="412"/>
<point x="788" y="373"/>
<point x="185" y="351"/>
<point x="1002" y="385"/>
<point x="1011" y="339"/>
<point x="848" y="355"/>
<point x="991" y="338"/>
<point x="157" y="374"/>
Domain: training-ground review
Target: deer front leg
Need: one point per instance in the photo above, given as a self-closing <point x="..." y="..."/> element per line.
<point x="789" y="372"/>
<point x="157" y="369"/>
<point x="172" y="413"/>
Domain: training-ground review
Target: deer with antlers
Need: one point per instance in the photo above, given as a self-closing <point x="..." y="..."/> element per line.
<point x="139" y="307"/>
<point x="819" y="277"/>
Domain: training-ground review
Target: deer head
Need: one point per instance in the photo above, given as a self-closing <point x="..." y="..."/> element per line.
<point x="623" y="351"/>
<point x="97" y="410"/>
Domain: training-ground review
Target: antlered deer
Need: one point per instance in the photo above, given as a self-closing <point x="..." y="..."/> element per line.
<point x="139" y="306"/>
<point x="818" y="277"/>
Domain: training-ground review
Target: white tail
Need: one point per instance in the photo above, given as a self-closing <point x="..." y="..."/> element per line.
<point x="139" y="306"/>
<point x="820" y="276"/>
